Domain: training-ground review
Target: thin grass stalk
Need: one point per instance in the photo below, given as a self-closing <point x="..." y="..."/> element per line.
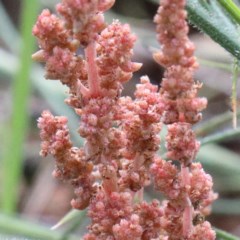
<point x="19" y="119"/>
<point x="234" y="92"/>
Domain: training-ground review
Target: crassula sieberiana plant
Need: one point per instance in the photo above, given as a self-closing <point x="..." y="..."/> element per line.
<point x="120" y="154"/>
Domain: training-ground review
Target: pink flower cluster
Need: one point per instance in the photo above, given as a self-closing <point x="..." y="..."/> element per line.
<point x="119" y="157"/>
<point x="188" y="187"/>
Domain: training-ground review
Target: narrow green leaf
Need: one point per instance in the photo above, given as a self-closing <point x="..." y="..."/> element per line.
<point x="19" y="119"/>
<point x="221" y="136"/>
<point x="221" y="29"/>
<point x="73" y="219"/>
<point x="219" y="160"/>
<point x="231" y="8"/>
<point x="22" y="228"/>
<point x="73" y="215"/>
<point x="222" y="235"/>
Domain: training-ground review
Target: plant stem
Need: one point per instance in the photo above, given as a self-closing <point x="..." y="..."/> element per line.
<point x="93" y="78"/>
<point x="19" y="119"/>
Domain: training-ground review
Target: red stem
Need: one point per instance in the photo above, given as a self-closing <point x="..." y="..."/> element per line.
<point x="93" y="78"/>
<point x="188" y="211"/>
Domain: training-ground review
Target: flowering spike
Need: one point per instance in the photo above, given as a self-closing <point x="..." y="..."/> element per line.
<point x="119" y="157"/>
<point x="179" y="92"/>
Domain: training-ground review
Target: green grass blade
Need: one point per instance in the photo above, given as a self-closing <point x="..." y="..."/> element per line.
<point x="222" y="235"/>
<point x="74" y="225"/>
<point x="218" y="160"/>
<point x="212" y="22"/>
<point x="19" y="119"/>
<point x="221" y="136"/>
<point x="22" y="228"/>
<point x="72" y="216"/>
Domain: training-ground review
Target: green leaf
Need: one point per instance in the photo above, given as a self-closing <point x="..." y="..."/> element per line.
<point x="221" y="136"/>
<point x="222" y="235"/>
<point x="19" y="120"/>
<point x="21" y="228"/>
<point x="210" y="18"/>
<point x="231" y="8"/>
<point x="219" y="160"/>
<point x="73" y="219"/>
<point x="214" y="22"/>
<point x="71" y="216"/>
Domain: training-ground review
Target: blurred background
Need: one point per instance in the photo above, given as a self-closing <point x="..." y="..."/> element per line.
<point x="30" y="198"/>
